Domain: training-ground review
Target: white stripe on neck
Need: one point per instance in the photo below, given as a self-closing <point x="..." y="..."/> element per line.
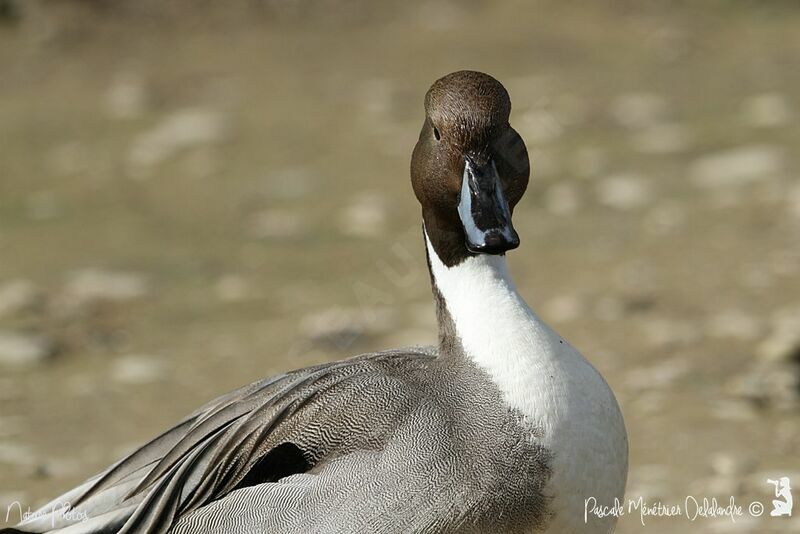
<point x="495" y="326"/>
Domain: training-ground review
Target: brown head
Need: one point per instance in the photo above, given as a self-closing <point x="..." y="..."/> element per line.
<point x="469" y="168"/>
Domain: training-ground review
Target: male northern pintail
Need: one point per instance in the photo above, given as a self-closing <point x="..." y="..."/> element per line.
<point x="504" y="427"/>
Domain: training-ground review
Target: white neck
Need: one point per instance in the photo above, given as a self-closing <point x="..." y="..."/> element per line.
<point x="556" y="391"/>
<point x="496" y="328"/>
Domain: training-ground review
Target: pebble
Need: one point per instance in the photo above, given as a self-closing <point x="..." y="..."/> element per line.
<point x="624" y="192"/>
<point x="22" y="350"/>
<point x="137" y="369"/>
<point x="766" y="110"/>
<point x="638" y="110"/>
<point x="93" y="284"/>
<point x="181" y="130"/>
<point x="663" y="138"/>
<point x="364" y="216"/>
<point x="738" y="166"/>
<point x="18" y="296"/>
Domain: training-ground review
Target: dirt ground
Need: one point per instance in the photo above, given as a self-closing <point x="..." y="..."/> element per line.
<point x="196" y="197"/>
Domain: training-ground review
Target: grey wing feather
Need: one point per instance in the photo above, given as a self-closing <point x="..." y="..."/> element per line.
<point x="205" y="456"/>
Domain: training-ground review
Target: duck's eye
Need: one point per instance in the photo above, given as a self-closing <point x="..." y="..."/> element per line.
<point x="436" y="133"/>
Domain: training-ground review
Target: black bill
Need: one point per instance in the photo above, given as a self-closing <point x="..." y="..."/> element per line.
<point x="484" y="210"/>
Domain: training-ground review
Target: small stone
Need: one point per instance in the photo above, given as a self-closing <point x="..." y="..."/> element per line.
<point x="137" y="369"/>
<point x="638" y="110"/>
<point x="738" y="166"/>
<point x="89" y="285"/>
<point x="365" y="216"/>
<point x="179" y="131"/>
<point x="664" y="138"/>
<point x="624" y="192"/>
<point x="767" y="110"/>
<point x="22" y="350"/>
<point x="561" y="199"/>
<point x="18" y="296"/>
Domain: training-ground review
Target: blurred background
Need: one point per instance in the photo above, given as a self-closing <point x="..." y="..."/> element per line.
<point x="198" y="194"/>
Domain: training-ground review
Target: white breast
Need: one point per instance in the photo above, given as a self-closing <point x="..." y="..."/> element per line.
<point x="545" y="379"/>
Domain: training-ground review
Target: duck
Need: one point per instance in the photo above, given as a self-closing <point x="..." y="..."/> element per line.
<point x="502" y="427"/>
